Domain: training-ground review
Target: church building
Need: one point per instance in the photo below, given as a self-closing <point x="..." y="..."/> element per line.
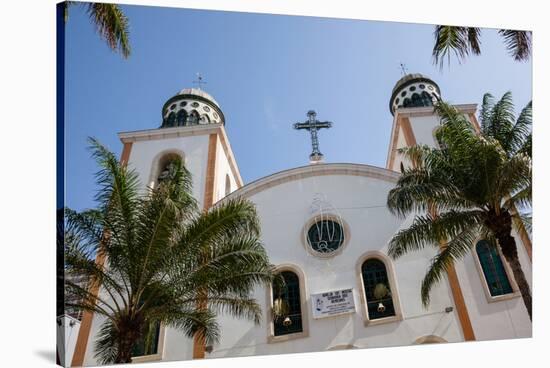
<point x="329" y="241"/>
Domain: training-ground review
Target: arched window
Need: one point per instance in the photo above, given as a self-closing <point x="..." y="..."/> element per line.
<point x="205" y="119"/>
<point x="227" y="184"/>
<point x="170" y="122"/>
<point x="378" y="291"/>
<point x="165" y="167"/>
<point x="493" y="269"/>
<point x="426" y="99"/>
<point x="193" y="118"/>
<point x="287" y="306"/>
<point x="407" y="102"/>
<point x="416" y="100"/>
<point x="181" y="117"/>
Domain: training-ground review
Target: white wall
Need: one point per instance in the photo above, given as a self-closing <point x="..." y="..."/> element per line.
<point x="222" y="169"/>
<point x="360" y="201"/>
<point x="195" y="149"/>
<point x="492" y="320"/>
<point x="67" y="334"/>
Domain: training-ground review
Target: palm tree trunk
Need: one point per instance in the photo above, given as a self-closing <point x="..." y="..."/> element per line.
<point x="509" y="250"/>
<point x="125" y="347"/>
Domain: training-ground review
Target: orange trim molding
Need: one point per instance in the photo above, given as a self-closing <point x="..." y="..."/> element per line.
<point x="87" y="316"/>
<point x="393" y="144"/>
<point x="199" y="343"/>
<point x="460" y="304"/>
<point x="407" y="131"/>
<point x="210" y="171"/>
<point x="125" y="156"/>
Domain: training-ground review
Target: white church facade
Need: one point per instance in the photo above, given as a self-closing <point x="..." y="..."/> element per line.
<point x="326" y="227"/>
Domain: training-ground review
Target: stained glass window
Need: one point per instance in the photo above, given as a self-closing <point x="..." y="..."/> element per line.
<point x="377" y="289"/>
<point x="493" y="269"/>
<point x="286" y="301"/>
<point x="325" y="236"/>
<point x="149" y="342"/>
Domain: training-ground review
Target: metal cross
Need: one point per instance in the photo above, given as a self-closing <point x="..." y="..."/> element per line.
<point x="199" y="80"/>
<point x="313" y="125"/>
<point x="403" y="68"/>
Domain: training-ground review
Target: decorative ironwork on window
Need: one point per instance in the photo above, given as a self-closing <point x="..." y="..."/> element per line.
<point x="287" y="310"/>
<point x="377" y="289"/>
<point x="325" y="236"/>
<point x="493" y="269"/>
<point x="148" y="344"/>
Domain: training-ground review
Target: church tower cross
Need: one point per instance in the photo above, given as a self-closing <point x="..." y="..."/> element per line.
<point x="200" y="80"/>
<point x="313" y="125"/>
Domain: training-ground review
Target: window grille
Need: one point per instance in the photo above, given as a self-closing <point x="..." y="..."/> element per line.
<point x="290" y="322"/>
<point x="377" y="289"/>
<point x="493" y="269"/>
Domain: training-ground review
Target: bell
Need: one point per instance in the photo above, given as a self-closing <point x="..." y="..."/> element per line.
<point x="381" y="308"/>
<point x="287" y="321"/>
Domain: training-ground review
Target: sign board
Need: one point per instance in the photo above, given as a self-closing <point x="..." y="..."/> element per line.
<point x="332" y="303"/>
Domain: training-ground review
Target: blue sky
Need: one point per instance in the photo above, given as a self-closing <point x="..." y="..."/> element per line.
<point x="266" y="71"/>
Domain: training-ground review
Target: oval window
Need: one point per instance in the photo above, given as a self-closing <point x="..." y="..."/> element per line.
<point x="325" y="236"/>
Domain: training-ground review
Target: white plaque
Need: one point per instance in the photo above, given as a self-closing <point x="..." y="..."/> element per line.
<point x="332" y="303"/>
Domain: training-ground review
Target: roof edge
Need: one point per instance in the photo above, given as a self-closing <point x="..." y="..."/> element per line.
<point x="303" y="172"/>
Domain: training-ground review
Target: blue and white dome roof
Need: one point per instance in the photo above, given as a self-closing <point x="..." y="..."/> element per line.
<point x="191" y="106"/>
<point x="414" y="90"/>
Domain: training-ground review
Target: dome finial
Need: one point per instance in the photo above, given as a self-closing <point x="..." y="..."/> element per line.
<point x="403" y="69"/>
<point x="199" y="80"/>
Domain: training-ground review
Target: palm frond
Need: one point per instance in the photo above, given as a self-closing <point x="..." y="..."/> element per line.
<point x="451" y="252"/>
<point x="523" y="221"/>
<point x="520" y="134"/>
<point x="112" y="26"/>
<point x="166" y="262"/>
<point x="518" y="43"/>
<point x="106" y="347"/>
<point x="485" y="112"/>
<point x="460" y="41"/>
<point x="429" y="230"/>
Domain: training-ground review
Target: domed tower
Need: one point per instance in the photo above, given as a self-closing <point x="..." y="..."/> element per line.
<point x="414" y="119"/>
<point x="414" y="90"/>
<point x="191" y="106"/>
<point x="193" y="129"/>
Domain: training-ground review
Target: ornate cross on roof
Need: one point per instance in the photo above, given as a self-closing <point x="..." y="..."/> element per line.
<point x="199" y="80"/>
<point x="313" y="125"/>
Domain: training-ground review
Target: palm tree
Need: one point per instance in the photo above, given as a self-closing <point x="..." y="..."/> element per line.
<point x="166" y="262"/>
<point x="470" y="188"/>
<point x="110" y="22"/>
<point x="463" y="41"/>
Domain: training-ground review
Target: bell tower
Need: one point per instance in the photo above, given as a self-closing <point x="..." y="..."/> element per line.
<point x="192" y="128"/>
<point x="414" y="120"/>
